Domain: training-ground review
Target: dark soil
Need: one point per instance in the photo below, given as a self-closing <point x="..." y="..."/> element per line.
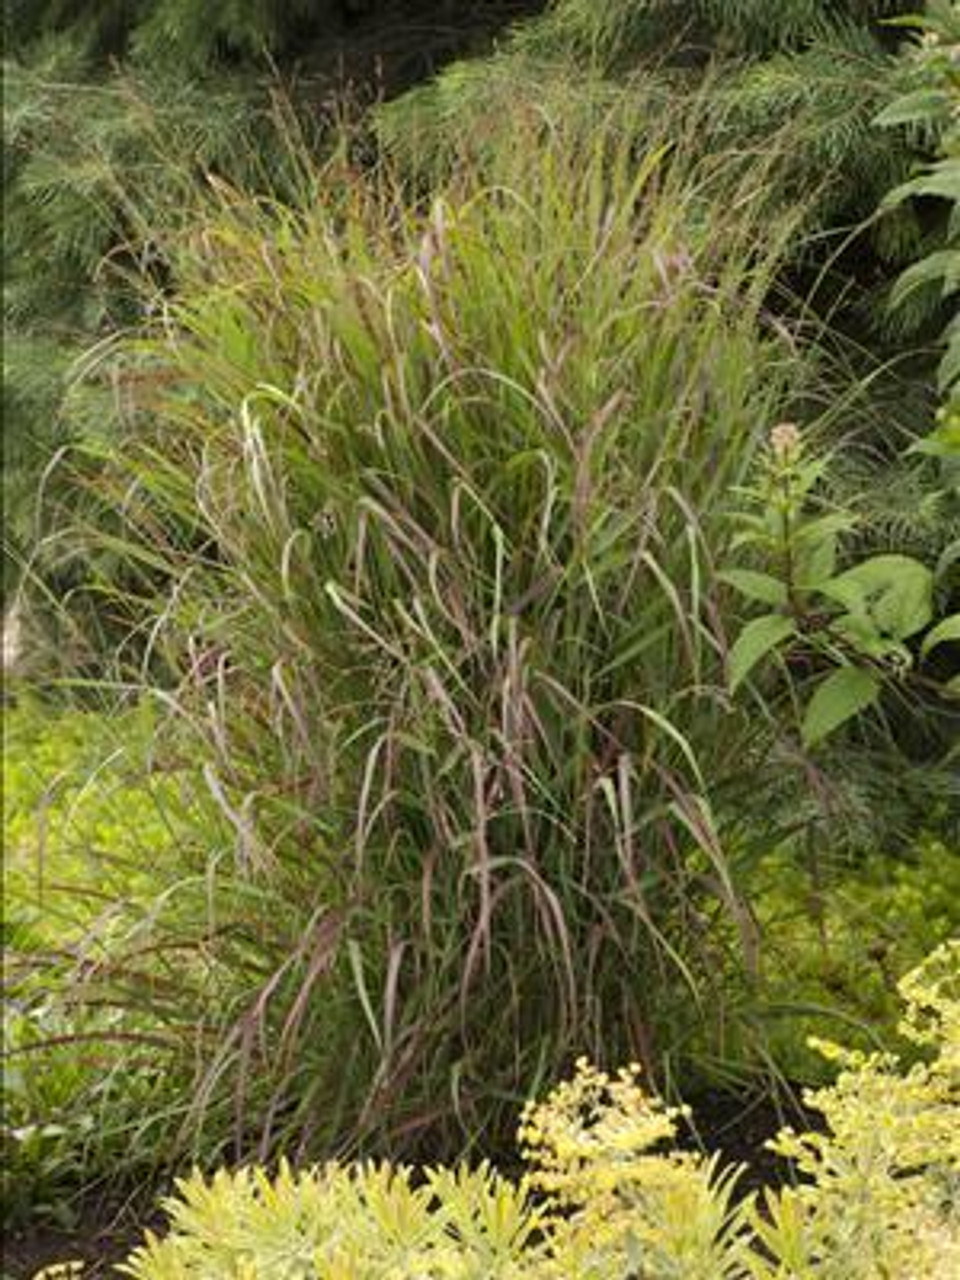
<point x="737" y="1126"/>
<point x="103" y="1235"/>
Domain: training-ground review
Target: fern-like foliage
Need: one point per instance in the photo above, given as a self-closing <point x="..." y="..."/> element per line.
<point x="178" y="30"/>
<point x="824" y="68"/>
<point x="933" y="106"/>
<point x="114" y="110"/>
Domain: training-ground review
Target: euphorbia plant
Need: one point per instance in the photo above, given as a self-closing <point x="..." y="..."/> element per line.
<point x="608" y="1196"/>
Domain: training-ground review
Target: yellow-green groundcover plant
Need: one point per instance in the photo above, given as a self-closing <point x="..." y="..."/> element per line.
<point x="606" y="1198"/>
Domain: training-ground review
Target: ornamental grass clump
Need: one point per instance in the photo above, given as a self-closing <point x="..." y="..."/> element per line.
<point x="421" y="509"/>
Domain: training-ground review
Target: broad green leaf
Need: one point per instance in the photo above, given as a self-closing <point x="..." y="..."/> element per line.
<point x="942" y="633"/>
<point x="816" y="548"/>
<point x="897" y="591"/>
<point x="922" y="104"/>
<point x="933" y="269"/>
<point x="755" y="641"/>
<point x="850" y="594"/>
<point x="944" y="442"/>
<point x="833" y="523"/>
<point x="861" y="633"/>
<point x="755" y="586"/>
<point x="842" y="695"/>
<point x="816" y="562"/>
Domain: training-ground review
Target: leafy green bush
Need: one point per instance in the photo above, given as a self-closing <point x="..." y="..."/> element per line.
<point x="847" y="628"/>
<point x="604" y="1200"/>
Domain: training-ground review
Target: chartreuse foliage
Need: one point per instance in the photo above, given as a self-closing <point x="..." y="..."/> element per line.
<point x="79" y="814"/>
<point x="89" y="830"/>
<point x="835" y="935"/>
<point x="606" y="1198"/>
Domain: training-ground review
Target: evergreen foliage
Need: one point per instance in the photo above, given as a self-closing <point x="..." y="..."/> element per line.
<point x="182" y="34"/>
<point x="113" y="112"/>
<point x="85" y="190"/>
<point x="818" y="69"/>
<point x="934" y="104"/>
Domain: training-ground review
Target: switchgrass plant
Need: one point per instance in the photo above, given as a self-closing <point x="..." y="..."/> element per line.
<point x="421" y="504"/>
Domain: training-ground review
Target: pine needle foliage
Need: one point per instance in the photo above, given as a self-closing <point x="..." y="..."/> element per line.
<point x="112" y="112"/>
<point x="93" y="172"/>
<point x="180" y="33"/>
<point x="825" y="68"/>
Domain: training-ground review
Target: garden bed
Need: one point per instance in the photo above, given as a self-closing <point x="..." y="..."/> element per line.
<point x="738" y="1126"/>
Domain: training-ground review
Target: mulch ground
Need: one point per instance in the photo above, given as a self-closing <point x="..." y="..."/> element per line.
<point x="738" y="1128"/>
<point x="103" y="1235"/>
